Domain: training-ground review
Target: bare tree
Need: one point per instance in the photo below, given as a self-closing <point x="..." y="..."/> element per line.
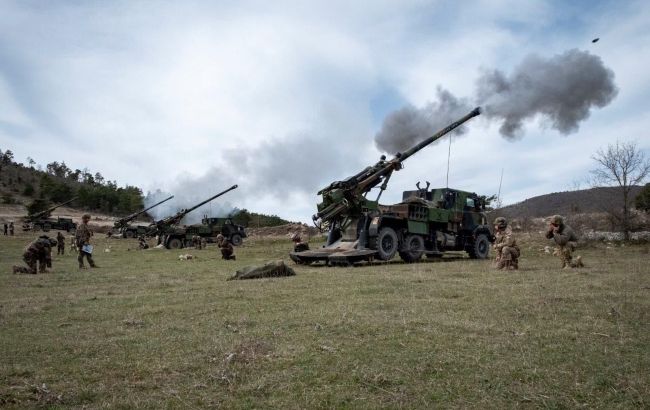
<point x="625" y="165"/>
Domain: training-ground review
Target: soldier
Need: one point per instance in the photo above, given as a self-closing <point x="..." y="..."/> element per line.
<point x="204" y="243"/>
<point x="73" y="244"/>
<point x="82" y="237"/>
<point x="142" y="243"/>
<point x="505" y="246"/>
<point x="60" y="240"/>
<point x="227" y="251"/>
<point x="11" y="228"/>
<point x="6" y="228"/>
<point x="566" y="241"/>
<point x="38" y="252"/>
<point x="298" y="244"/>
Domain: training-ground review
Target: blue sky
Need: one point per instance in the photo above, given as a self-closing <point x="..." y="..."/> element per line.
<point x="284" y="97"/>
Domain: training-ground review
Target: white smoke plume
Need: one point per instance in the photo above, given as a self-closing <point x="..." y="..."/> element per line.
<point x="561" y="90"/>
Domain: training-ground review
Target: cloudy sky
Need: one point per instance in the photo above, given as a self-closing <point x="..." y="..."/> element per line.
<point x="284" y="97"/>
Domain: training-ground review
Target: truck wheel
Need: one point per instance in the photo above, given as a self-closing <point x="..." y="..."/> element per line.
<point x="412" y="249"/>
<point x="36" y="228"/>
<point x="129" y="234"/>
<point x="480" y="248"/>
<point x="386" y="243"/>
<point x="236" y="239"/>
<point x="174" y="243"/>
<point x="46" y="228"/>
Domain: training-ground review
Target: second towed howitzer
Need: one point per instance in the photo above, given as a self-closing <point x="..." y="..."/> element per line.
<point x="165" y="226"/>
<point x="124" y="227"/>
<point x="361" y="229"/>
<point x="42" y="221"/>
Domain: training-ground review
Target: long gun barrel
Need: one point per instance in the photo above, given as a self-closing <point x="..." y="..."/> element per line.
<point x="175" y="219"/>
<point x="342" y="195"/>
<point x="46" y="213"/>
<point x="123" y="222"/>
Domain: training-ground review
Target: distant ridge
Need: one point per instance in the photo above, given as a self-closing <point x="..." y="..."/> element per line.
<point x="601" y="199"/>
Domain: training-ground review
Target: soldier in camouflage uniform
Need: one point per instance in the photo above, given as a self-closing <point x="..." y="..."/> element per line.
<point x="60" y="240"/>
<point x="505" y="246"/>
<point x="82" y="237"/>
<point x="39" y="252"/>
<point x="298" y="244"/>
<point x="142" y="242"/>
<point x="566" y="241"/>
<point x="227" y="251"/>
<point x="11" y="228"/>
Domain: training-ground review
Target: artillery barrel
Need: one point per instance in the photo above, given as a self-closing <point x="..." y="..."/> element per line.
<point x="45" y="213"/>
<point x="187" y="211"/>
<point x="122" y="222"/>
<point x="401" y="157"/>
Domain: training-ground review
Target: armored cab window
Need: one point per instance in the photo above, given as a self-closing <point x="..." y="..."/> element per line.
<point x="470" y="202"/>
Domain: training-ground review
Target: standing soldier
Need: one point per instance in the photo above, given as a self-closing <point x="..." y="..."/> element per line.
<point x="204" y="243"/>
<point x="11" y="228"/>
<point x="82" y="237"/>
<point x="39" y="252"/>
<point x="227" y="251"/>
<point x="60" y="240"/>
<point x="566" y="241"/>
<point x="505" y="246"/>
<point x="6" y="228"/>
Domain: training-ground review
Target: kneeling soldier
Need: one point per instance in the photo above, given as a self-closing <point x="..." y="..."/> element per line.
<point x="227" y="251"/>
<point x="566" y="241"/>
<point x="38" y="252"/>
<point x="505" y="245"/>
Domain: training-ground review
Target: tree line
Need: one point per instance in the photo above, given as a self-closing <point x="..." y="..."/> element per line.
<point x="56" y="183"/>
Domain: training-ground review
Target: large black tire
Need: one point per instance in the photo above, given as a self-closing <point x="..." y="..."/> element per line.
<point x="480" y="248"/>
<point x="174" y="243"/>
<point x="412" y="249"/>
<point x="236" y="239"/>
<point x="387" y="243"/>
<point x="129" y="234"/>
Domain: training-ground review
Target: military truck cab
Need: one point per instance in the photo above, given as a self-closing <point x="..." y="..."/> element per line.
<point x="429" y="222"/>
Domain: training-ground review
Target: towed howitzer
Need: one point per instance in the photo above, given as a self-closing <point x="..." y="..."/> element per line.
<point x="346" y="197"/>
<point x="159" y="226"/>
<point x="124" y="222"/>
<point x="46" y="213"/>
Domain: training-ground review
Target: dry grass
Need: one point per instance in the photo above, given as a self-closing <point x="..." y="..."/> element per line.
<point x="147" y="330"/>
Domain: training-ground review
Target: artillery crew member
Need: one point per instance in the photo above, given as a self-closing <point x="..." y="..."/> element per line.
<point x="566" y="241"/>
<point x="505" y="246"/>
<point x="60" y="240"/>
<point x="142" y="242"/>
<point x="82" y="237"/>
<point x="227" y="251"/>
<point x="39" y="252"/>
<point x="6" y="228"/>
<point x="11" y="228"/>
<point x="298" y="244"/>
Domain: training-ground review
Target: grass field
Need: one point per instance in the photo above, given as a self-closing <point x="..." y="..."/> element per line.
<point x="147" y="330"/>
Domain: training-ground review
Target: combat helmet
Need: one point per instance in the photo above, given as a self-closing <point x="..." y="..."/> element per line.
<point x="501" y="222"/>
<point x="220" y="237"/>
<point x="557" y="220"/>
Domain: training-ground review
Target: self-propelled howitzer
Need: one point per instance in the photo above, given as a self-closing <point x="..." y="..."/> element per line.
<point x="158" y="227"/>
<point x="124" y="222"/>
<point x="348" y="196"/>
<point x="362" y="229"/>
<point x="42" y="221"/>
<point x="46" y="213"/>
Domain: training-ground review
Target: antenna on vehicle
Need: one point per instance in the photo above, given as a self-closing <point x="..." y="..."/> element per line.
<point x="449" y="156"/>
<point x="499" y="193"/>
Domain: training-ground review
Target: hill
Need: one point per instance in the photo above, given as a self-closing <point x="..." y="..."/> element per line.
<point x="594" y="200"/>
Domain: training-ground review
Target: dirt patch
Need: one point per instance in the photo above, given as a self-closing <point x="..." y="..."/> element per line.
<point x="284" y="231"/>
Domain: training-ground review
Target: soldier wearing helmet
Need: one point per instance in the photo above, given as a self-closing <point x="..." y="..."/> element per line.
<point x="298" y="244"/>
<point x="227" y="251"/>
<point x="82" y="237"/>
<point x="505" y="246"/>
<point x="566" y="241"/>
<point x="37" y="253"/>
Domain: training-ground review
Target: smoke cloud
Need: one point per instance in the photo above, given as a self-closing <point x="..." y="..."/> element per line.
<point x="409" y="125"/>
<point x="561" y="90"/>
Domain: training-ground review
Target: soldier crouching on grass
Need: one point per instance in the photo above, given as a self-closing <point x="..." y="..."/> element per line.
<point x="227" y="251"/>
<point x="39" y="252"/>
<point x="566" y="241"/>
<point x="82" y="237"/>
<point x="505" y="246"/>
